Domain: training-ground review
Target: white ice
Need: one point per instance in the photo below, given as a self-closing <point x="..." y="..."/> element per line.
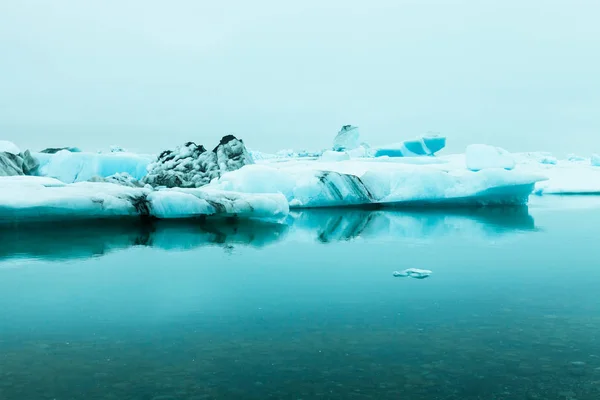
<point x="46" y="198"/>
<point x="482" y="156"/>
<point x="9" y="147"/>
<point x="358" y="182"/>
<point x="348" y="138"/>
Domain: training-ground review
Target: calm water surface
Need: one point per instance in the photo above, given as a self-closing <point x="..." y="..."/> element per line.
<point x="308" y="309"/>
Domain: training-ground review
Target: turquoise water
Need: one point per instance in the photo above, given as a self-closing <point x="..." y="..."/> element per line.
<point x="307" y="310"/>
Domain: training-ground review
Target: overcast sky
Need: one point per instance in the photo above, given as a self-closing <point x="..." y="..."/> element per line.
<point x="148" y="75"/>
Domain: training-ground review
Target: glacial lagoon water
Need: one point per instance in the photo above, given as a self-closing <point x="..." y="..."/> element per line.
<point x="309" y="309"/>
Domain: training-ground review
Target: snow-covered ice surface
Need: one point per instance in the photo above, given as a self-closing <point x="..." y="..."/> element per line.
<point x="483" y="156"/>
<point x="43" y="198"/>
<point x="70" y="167"/>
<point x="564" y="176"/>
<point x="384" y="182"/>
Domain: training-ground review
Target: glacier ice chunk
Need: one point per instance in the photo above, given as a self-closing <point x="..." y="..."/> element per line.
<point x="413" y="273"/>
<point x="426" y="145"/>
<point x="595" y="160"/>
<point x="483" y="156"/>
<point x="363" y="182"/>
<point x="17" y="163"/>
<point x="191" y="165"/>
<point x="33" y="198"/>
<point x="348" y="138"/>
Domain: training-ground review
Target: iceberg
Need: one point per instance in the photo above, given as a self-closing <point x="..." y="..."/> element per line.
<point x="348" y="138"/>
<point x="426" y="145"/>
<point x="30" y="198"/>
<point x="192" y="166"/>
<point x="483" y="156"/>
<point x="360" y="182"/>
<point x="595" y="160"/>
<point x="72" y="167"/>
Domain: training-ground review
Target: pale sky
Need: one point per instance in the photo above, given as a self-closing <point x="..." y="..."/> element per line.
<point x="149" y="75"/>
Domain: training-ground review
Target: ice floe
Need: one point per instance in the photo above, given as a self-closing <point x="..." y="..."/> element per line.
<point x="358" y="182"/>
<point x="34" y="198"/>
<point x="413" y="273"/>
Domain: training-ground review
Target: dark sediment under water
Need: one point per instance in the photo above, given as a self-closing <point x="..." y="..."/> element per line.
<point x="307" y="310"/>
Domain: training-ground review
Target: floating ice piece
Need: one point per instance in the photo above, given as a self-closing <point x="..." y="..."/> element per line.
<point x="362" y="182"/>
<point x="32" y="198"/>
<point x="413" y="273"/>
<point x="483" y="156"/>
<point x="348" y="138"/>
<point x="9" y="147"/>
<point x="575" y="157"/>
<point x="595" y="160"/>
<point x="426" y="145"/>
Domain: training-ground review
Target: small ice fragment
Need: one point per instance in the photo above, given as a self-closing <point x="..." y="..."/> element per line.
<point x="413" y="273"/>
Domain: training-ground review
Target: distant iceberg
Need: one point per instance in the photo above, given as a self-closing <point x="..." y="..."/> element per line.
<point x="426" y="145"/>
<point x="348" y="138"/>
<point x="483" y="156"/>
<point x="356" y="182"/>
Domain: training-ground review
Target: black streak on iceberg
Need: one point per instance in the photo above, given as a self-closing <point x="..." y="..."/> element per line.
<point x="338" y="186"/>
